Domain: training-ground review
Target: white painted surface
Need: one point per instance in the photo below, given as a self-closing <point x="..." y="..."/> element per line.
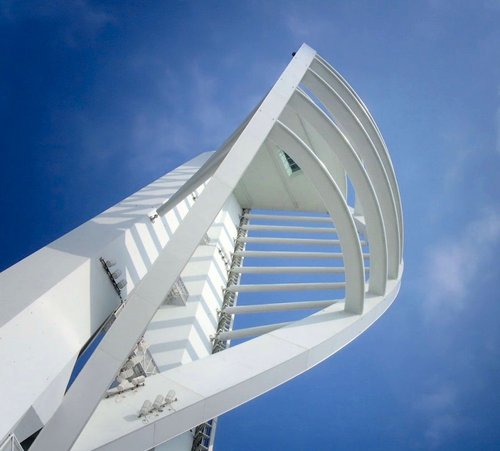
<point x="248" y="173"/>
<point x="69" y="295"/>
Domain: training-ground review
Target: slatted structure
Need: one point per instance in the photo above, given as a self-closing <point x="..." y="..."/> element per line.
<point x="292" y="266"/>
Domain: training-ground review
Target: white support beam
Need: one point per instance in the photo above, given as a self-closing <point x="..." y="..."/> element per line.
<point x="250" y="331"/>
<point x="264" y="287"/>
<point x="289" y="270"/>
<point x="298" y="241"/>
<point x="294" y="218"/>
<point x="290" y="254"/>
<point x="278" y="307"/>
<point x="287" y="229"/>
<point x="301" y="241"/>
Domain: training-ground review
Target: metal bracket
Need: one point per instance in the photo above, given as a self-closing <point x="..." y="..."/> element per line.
<point x="113" y="276"/>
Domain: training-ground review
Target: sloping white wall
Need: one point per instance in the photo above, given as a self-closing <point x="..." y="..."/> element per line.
<point x="60" y="295"/>
<point x="181" y="334"/>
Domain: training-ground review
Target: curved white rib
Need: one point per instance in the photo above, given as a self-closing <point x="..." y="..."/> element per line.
<point x="362" y="184"/>
<point x="337" y="208"/>
<point x="364" y="147"/>
<point x="318" y="146"/>
<point x="334" y="79"/>
<point x="351" y="93"/>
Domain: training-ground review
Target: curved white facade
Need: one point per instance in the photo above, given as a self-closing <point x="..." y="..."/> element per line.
<point x="308" y="162"/>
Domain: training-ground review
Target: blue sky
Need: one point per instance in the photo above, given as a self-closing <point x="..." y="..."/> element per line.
<point x="98" y="100"/>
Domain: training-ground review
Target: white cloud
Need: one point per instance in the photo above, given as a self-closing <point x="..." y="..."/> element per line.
<point x="307" y="25"/>
<point x="440" y="408"/>
<point x="297" y="27"/>
<point x="437" y="400"/>
<point x="192" y="113"/>
<point x="206" y="106"/>
<point x="441" y="427"/>
<point x="453" y="267"/>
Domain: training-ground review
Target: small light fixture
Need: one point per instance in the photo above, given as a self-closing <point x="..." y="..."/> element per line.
<point x="145" y="409"/>
<point x="158" y="404"/>
<point x="121" y="284"/>
<point x="170" y="397"/>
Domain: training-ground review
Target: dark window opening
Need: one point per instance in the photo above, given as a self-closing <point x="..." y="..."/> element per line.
<point x="290" y="166"/>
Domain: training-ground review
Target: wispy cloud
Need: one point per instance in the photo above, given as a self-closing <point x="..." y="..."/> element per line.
<point x="297" y="27"/>
<point x="441" y="427"/>
<point x="305" y="25"/>
<point x="453" y="266"/>
<point x="191" y="114"/>
<point x="441" y="412"/>
<point x="188" y="123"/>
<point x="206" y="109"/>
<point x="439" y="399"/>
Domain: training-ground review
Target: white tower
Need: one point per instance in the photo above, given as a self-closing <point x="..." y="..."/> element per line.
<point x="297" y="216"/>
